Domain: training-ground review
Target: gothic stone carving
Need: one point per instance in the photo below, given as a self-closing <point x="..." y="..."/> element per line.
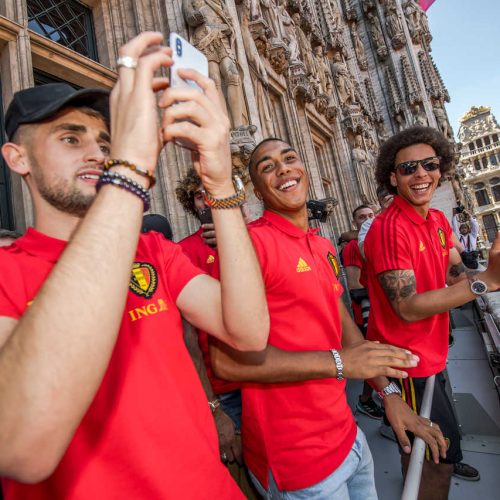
<point x="376" y="34"/>
<point x="213" y="34"/>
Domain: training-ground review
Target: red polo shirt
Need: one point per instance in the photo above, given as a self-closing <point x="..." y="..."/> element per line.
<point x="301" y="431"/>
<point x="351" y="256"/>
<point x="206" y="258"/>
<point x="400" y="238"/>
<point x="150" y="407"/>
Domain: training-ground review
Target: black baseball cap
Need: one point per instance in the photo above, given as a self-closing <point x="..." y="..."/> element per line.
<point x="158" y="223"/>
<point x="39" y="103"/>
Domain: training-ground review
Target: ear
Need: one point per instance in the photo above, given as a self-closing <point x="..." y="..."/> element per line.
<point x="257" y="194"/>
<point x="16" y="158"/>
<point x="394" y="181"/>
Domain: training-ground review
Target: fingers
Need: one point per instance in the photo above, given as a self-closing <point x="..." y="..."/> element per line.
<point x="205" y="83"/>
<point x="403" y="439"/>
<point x="134" y="49"/>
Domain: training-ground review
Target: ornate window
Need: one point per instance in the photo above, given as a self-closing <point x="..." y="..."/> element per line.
<point x="495" y="188"/>
<point x="490" y="226"/>
<point x="482" y="197"/>
<point x="67" y="22"/>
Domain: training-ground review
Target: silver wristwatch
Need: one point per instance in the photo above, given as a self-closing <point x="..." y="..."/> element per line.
<point x="477" y="286"/>
<point x="392" y="388"/>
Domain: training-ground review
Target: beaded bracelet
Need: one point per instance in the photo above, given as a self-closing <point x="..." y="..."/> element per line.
<point x="135" y="168"/>
<point x="127" y="184"/>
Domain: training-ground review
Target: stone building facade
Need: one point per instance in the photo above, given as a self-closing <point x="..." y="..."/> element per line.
<point x="333" y="77"/>
<point x="479" y="168"/>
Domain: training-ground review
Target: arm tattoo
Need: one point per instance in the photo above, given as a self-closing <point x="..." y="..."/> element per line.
<point x="398" y="285"/>
<point x="456" y="270"/>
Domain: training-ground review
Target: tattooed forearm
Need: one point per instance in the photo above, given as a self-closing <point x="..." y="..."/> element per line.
<point x="456" y="270"/>
<point x="398" y="285"/>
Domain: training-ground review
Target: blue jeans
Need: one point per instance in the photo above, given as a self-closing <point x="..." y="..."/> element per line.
<point x="231" y="404"/>
<point x="353" y="480"/>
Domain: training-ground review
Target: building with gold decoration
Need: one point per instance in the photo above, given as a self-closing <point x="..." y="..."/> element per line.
<point x="479" y="168"/>
<point x="335" y="78"/>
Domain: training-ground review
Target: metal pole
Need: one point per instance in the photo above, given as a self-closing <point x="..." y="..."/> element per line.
<point x="412" y="483"/>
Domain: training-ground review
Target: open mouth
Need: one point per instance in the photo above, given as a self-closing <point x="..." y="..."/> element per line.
<point x="288" y="185"/>
<point x="90" y="177"/>
<point x="421" y="188"/>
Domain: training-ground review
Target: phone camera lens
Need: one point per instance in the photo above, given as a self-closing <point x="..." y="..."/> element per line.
<point x="178" y="47"/>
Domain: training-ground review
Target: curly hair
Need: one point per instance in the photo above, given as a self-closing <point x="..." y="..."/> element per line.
<point x="186" y="189"/>
<point x="408" y="137"/>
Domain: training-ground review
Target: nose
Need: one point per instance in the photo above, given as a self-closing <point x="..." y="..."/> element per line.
<point x="95" y="154"/>
<point x="283" y="168"/>
<point x="420" y="172"/>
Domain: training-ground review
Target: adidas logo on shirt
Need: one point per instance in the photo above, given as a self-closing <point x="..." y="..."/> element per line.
<point x="302" y="266"/>
<point x="421" y="247"/>
<point x="211" y="259"/>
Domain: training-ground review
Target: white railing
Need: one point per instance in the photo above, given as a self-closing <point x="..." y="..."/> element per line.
<point x="414" y="473"/>
<point x="484" y="149"/>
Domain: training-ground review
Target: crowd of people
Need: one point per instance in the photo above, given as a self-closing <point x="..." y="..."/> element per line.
<point x="120" y="349"/>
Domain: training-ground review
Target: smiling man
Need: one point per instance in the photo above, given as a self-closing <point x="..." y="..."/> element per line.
<point x="410" y="260"/>
<point x="98" y="395"/>
<point x="299" y="434"/>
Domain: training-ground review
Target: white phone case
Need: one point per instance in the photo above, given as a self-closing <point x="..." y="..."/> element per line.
<point x="188" y="57"/>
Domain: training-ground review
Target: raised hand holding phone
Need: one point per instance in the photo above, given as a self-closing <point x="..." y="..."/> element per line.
<point x="200" y="119"/>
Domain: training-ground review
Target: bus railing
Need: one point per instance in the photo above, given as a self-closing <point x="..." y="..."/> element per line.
<point x="414" y="473"/>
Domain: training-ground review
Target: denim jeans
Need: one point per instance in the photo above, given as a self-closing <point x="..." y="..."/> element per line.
<point x="353" y="480"/>
<point x="231" y="404"/>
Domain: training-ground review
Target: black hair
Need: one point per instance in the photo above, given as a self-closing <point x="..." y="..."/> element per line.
<point x="359" y="208"/>
<point x="408" y="137"/>
<point x="250" y="160"/>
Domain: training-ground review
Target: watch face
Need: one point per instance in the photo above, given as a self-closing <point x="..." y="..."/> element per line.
<point x="479" y="288"/>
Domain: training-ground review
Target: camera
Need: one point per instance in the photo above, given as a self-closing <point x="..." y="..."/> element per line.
<point x="320" y="209"/>
<point x="178" y="47"/>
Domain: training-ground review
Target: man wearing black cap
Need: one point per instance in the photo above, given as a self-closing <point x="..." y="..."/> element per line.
<point x="98" y="396"/>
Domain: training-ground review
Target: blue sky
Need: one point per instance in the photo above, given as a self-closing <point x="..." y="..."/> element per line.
<point x="466" y="49"/>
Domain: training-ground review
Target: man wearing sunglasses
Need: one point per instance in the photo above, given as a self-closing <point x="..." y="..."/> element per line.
<point x="410" y="260"/>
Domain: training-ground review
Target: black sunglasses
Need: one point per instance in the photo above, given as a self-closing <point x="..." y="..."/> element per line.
<point x="410" y="167"/>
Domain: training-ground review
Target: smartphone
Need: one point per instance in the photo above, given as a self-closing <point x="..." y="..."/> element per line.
<point x="205" y="216"/>
<point x="185" y="56"/>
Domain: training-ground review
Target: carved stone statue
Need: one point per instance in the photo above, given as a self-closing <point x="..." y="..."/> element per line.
<point x="323" y="71"/>
<point x="290" y="33"/>
<point x="270" y="10"/>
<point x="394" y="27"/>
<point x="411" y="10"/>
<point x="258" y="71"/>
<point x="424" y="25"/>
<point x="359" y="48"/>
<point x="343" y="82"/>
<point x="442" y="120"/>
<point x="419" y="116"/>
<point x="362" y="168"/>
<point x="376" y="34"/>
<point x="304" y="45"/>
<point x="213" y="34"/>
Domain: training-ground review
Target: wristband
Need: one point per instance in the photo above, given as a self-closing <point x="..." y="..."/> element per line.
<point x="141" y="171"/>
<point x="338" y="363"/>
<point x="234" y="201"/>
<point x="125" y="183"/>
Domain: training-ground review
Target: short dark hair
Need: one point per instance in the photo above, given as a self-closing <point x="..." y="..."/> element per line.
<point x="406" y="138"/>
<point x="355" y="211"/>
<point x="251" y="165"/>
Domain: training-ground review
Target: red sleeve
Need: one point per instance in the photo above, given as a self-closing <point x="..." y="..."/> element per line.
<point x="12" y="289"/>
<point x="178" y="269"/>
<point x="351" y="255"/>
<point x="386" y="246"/>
